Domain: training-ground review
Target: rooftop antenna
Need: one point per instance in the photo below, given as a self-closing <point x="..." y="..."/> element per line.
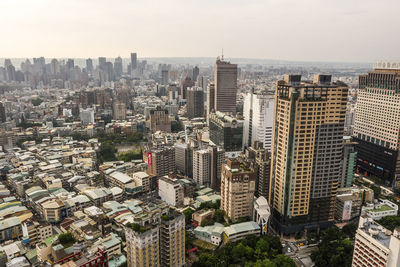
<point x="222" y="56"/>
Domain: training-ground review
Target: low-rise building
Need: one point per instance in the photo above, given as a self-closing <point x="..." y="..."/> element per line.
<point x="239" y="231"/>
<point x="211" y="233"/>
<point x="199" y="216"/>
<point x="380" y="209"/>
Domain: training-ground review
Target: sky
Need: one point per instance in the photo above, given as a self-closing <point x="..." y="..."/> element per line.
<point x="298" y="30"/>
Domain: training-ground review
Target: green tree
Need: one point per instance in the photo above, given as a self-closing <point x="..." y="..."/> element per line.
<point x="66" y="238"/>
<point x="390" y="222"/>
<point x="284" y="261"/>
<point x="219" y="216"/>
<point x="188" y="215"/>
<point x="36" y="101"/>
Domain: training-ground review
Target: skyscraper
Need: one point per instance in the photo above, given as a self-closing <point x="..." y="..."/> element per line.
<point x="377" y="123"/>
<point x="201" y="167"/>
<point x="119" y="111"/>
<point x="133" y="61"/>
<point x="89" y="66"/>
<point x="164" y="77"/>
<point x="195" y="102"/>
<point x="102" y="63"/>
<point x="118" y="69"/>
<point x="306" y="151"/>
<point x="196" y="72"/>
<point x="237" y="189"/>
<point x="225" y="79"/>
<point x="258" y="114"/>
<point x="210" y="98"/>
<point x="54" y="66"/>
<point x="185" y="84"/>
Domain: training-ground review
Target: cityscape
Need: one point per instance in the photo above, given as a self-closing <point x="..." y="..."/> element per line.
<point x="218" y="160"/>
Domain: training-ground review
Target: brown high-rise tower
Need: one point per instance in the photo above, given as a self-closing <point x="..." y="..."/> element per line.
<point x="225" y="76"/>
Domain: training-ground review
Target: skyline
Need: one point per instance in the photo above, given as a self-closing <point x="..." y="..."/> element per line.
<point x="244" y="29"/>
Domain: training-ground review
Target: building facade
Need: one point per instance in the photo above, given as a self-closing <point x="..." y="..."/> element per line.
<point x="237" y="190"/>
<point x="377" y="123"/>
<point x="306" y="152"/>
<point x="195" y="102"/>
<point x="226" y="131"/>
<point x="225" y="79"/>
<point x="258" y="111"/>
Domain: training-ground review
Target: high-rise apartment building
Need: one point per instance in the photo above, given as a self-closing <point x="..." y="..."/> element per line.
<point x="377" y="123"/>
<point x="172" y="240"/>
<point x="260" y="159"/>
<point x="159" y="120"/>
<point x="195" y="102"/>
<point x="119" y="111"/>
<point x="201" y="167"/>
<point x="161" y="161"/>
<point x="184" y="159"/>
<point x="258" y="111"/>
<point x="225" y="79"/>
<point x="238" y="184"/>
<point x="226" y="131"/>
<point x="133" y="61"/>
<point x="376" y="246"/>
<point x="143" y="247"/>
<point x="306" y="151"/>
<point x="160" y="242"/>
<point x="207" y="165"/>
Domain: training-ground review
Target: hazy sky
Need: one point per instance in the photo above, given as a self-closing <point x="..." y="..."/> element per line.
<point x="311" y="30"/>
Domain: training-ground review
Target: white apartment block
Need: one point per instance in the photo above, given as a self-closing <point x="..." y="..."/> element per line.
<point x="258" y="111"/>
<point x="201" y="167"/>
<point x="376" y="246"/>
<point x="170" y="191"/>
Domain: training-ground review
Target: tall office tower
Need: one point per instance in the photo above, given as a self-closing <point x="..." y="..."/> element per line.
<point x="143" y="247"/>
<point x="11" y="73"/>
<point x="226" y="131"/>
<point x="238" y="184"/>
<point x="164" y="77"/>
<point x="3" y="117"/>
<point x="118" y="69"/>
<point x="119" y="111"/>
<point x="54" y="66"/>
<point x="89" y="66"/>
<point x="306" y="152"/>
<point x="217" y="158"/>
<point x="185" y="84"/>
<point x="258" y="114"/>
<point x="377" y="123"/>
<point x="201" y="167"/>
<point x="195" y="102"/>
<point x="348" y="162"/>
<point x="376" y="246"/>
<point x="7" y="62"/>
<point x="159" y="120"/>
<point x="70" y="64"/>
<point x="133" y="61"/>
<point x="161" y="161"/>
<point x="210" y="98"/>
<point x="172" y="240"/>
<point x="225" y="79"/>
<point x="184" y="159"/>
<point x="102" y="63"/>
<point x="196" y="72"/>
